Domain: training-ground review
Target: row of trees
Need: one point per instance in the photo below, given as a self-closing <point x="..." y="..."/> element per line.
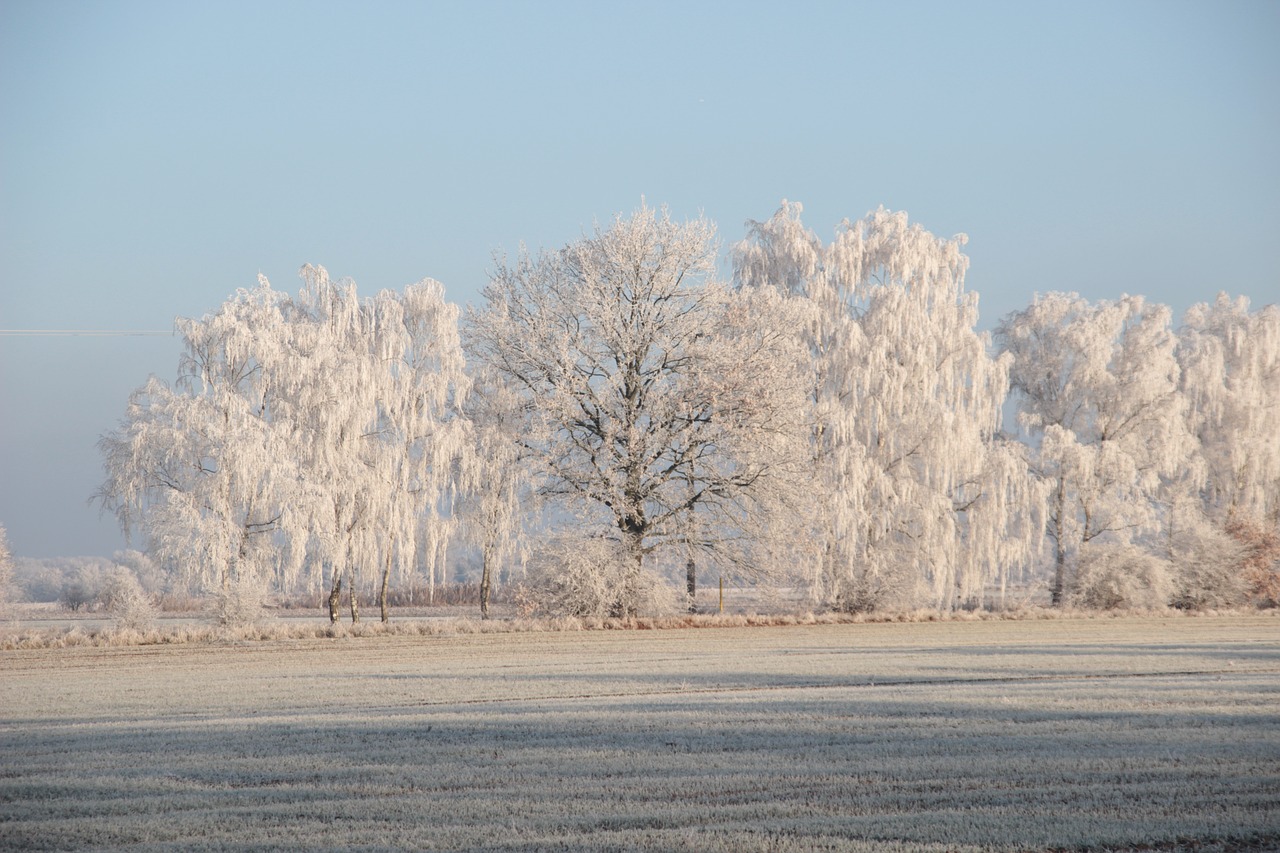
<point x="614" y="414"/>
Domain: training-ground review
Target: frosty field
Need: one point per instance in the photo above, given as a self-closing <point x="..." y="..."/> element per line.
<point x="1042" y="735"/>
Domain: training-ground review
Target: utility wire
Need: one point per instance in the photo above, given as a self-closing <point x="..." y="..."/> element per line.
<point x="85" y="333"/>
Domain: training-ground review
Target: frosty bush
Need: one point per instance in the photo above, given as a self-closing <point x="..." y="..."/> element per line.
<point x="587" y="577"/>
<point x="81" y="589"/>
<point x="1261" y="559"/>
<point x="129" y="605"/>
<point x="241" y="601"/>
<point x="864" y="591"/>
<point x="1207" y="567"/>
<point x="150" y="576"/>
<point x="1114" y="577"/>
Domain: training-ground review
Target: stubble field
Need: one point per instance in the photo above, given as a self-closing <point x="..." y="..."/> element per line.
<point x="1056" y="735"/>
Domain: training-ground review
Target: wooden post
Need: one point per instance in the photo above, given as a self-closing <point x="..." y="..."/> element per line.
<point x="722" y="594"/>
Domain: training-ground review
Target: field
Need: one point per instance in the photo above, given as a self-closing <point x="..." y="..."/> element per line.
<point x="1103" y="734"/>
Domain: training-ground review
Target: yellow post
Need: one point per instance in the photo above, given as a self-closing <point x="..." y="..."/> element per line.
<point x="722" y="594"/>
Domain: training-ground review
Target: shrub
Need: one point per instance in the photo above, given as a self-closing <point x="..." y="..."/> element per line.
<point x="588" y="577"/>
<point x="1207" y="567"/>
<point x="36" y="580"/>
<point x="1115" y="577"/>
<point x="129" y="605"/>
<point x="241" y="602"/>
<point x="81" y="589"/>
<point x="1261" y="560"/>
<point x="863" y="591"/>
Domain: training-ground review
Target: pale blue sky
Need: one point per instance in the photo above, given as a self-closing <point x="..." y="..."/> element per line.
<point x="154" y="157"/>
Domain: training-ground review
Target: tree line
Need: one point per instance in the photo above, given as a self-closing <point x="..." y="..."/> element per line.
<point x="614" y="415"/>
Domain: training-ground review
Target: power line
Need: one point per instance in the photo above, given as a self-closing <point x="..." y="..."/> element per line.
<point x="83" y="333"/>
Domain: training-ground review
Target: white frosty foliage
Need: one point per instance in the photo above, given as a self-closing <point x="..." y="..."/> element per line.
<point x="200" y="468"/>
<point x="1120" y="576"/>
<point x="124" y="598"/>
<point x="649" y="392"/>
<point x="303" y="435"/>
<point x="621" y="395"/>
<point x="8" y="588"/>
<point x="375" y="384"/>
<point x="243" y="601"/>
<point x="498" y="499"/>
<point x="1098" y="393"/>
<point x="1230" y="362"/>
<point x="917" y="495"/>
<point x="1206" y="562"/>
<point x="591" y="577"/>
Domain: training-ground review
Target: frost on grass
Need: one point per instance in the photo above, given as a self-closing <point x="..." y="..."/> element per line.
<point x="994" y="736"/>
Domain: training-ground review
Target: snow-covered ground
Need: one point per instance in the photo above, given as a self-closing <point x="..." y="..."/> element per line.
<point x="913" y="736"/>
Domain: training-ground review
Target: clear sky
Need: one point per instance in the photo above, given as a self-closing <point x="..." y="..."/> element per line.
<point x="156" y="156"/>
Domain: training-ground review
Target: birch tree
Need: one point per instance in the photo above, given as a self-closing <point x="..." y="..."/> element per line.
<point x="8" y="587"/>
<point x="370" y="390"/>
<point x="919" y="495"/>
<point x="651" y="390"/>
<point x="424" y="435"/>
<point x="1098" y="395"/>
<point x="320" y="431"/>
<point x="497" y="488"/>
<point x="201" y="467"/>
<point x="1230" y="360"/>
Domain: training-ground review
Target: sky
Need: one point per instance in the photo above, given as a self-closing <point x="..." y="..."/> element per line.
<point x="156" y="156"/>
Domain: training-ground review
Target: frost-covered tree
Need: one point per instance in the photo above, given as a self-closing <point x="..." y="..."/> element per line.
<point x="650" y="389"/>
<point x="304" y="437"/>
<point x="8" y="588"/>
<point x="424" y="434"/>
<point x="370" y="389"/>
<point x="498" y="499"/>
<point x="1097" y="390"/>
<point x="1230" y="359"/>
<point x="917" y="493"/>
<point x="202" y="467"/>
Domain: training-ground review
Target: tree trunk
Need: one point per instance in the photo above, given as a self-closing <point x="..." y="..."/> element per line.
<point x="355" y="605"/>
<point x="382" y="591"/>
<point x="335" y="597"/>
<point x="1060" y="548"/>
<point x="691" y="583"/>
<point x="486" y="561"/>
<point x="1059" y="575"/>
<point x="633" y="539"/>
